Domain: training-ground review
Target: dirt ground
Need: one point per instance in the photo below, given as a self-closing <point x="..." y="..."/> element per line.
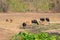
<point x="9" y="28"/>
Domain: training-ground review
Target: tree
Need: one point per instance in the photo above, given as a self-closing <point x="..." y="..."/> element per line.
<point x="3" y="6"/>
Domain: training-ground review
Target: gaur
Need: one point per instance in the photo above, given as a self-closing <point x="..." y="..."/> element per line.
<point x="42" y="19"/>
<point x="24" y="25"/>
<point x="35" y="21"/>
<point x="47" y="19"/>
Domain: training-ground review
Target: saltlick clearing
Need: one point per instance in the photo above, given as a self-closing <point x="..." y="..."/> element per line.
<point x="11" y="26"/>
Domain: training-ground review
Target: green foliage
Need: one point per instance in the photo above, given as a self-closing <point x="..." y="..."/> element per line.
<point x="23" y="5"/>
<point x="32" y="36"/>
<point x="1" y="9"/>
<point x="31" y="5"/>
<point x="17" y="6"/>
<point x="41" y="4"/>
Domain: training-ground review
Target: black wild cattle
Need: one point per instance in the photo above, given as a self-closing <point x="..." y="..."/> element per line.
<point x="35" y="21"/>
<point x="24" y="25"/>
<point x="47" y="19"/>
<point x="42" y="19"/>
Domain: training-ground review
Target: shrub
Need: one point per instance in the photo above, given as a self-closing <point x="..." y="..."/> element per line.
<point x="32" y="36"/>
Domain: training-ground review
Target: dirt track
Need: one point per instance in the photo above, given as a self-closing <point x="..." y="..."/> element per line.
<point x="5" y="34"/>
<point x="8" y="29"/>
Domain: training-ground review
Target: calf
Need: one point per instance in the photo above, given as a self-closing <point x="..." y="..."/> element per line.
<point x="11" y="20"/>
<point x="35" y="21"/>
<point x="7" y="20"/>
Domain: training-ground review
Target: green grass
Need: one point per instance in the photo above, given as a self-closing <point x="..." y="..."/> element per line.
<point x="39" y="28"/>
<point x="48" y="27"/>
<point x="32" y="36"/>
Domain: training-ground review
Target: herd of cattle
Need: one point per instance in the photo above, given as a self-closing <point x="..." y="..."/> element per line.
<point x="24" y="24"/>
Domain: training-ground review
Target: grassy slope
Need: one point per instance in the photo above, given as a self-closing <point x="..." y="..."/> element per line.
<point x="23" y="6"/>
<point x="32" y="5"/>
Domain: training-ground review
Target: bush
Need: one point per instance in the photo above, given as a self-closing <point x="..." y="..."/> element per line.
<point x="32" y="36"/>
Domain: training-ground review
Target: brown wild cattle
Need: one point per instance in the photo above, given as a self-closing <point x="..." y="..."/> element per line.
<point x="11" y="20"/>
<point x="7" y="20"/>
